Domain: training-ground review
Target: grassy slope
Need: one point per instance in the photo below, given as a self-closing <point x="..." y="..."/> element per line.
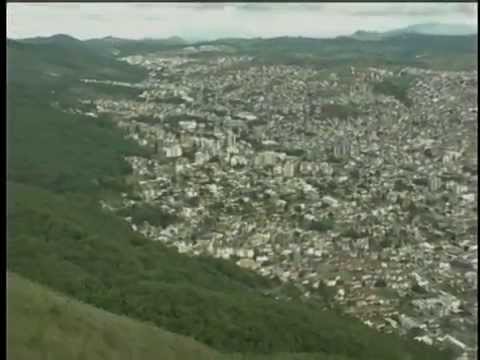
<point x="44" y="324"/>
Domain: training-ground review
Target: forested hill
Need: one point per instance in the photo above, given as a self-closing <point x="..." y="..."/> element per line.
<point x="421" y="50"/>
<point x="396" y="45"/>
<point x="47" y="62"/>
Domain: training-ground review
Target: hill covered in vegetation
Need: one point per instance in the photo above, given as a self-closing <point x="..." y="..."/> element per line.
<point x="46" y="324"/>
<point x="45" y="62"/>
<point x="67" y="243"/>
<point x="404" y="49"/>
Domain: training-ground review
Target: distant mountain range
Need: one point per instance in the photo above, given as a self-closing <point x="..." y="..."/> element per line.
<point x="421" y="29"/>
<point x="436" y="29"/>
<point x="107" y="45"/>
<point x="129" y="46"/>
<point x="416" y="45"/>
<point x="54" y="39"/>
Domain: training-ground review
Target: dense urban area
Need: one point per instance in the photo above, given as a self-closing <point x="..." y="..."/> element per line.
<point x="362" y="184"/>
<point x="243" y="198"/>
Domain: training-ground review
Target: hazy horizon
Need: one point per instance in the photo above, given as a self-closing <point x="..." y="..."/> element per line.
<point x="208" y="21"/>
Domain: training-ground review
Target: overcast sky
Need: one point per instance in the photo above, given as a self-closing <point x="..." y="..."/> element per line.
<point x="194" y="21"/>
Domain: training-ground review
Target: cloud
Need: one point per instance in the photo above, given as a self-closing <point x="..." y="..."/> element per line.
<point x="365" y="9"/>
<point x="255" y="7"/>
<point x="210" y="6"/>
<point x="398" y="9"/>
<point x="143" y="5"/>
<point x="212" y="20"/>
<point x="187" y="5"/>
<point x="155" y="18"/>
<point x="273" y="7"/>
<point x="469" y="9"/>
<point x="96" y="17"/>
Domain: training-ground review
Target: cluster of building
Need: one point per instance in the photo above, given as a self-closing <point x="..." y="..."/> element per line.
<point x="315" y="179"/>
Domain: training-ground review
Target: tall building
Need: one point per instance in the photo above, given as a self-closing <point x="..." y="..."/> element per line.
<point x="201" y="95"/>
<point x="231" y="138"/>
<point x="434" y="184"/>
<point x="306" y="109"/>
<point x="289" y="169"/>
<point x="341" y="149"/>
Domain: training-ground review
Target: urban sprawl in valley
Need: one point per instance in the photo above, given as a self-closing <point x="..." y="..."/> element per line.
<point x="313" y="178"/>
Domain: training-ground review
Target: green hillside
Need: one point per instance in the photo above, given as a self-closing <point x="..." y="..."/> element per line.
<point x="71" y="246"/>
<point x="126" y="47"/>
<point x="56" y="61"/>
<point x="59" y="165"/>
<point x="44" y="324"/>
<point x="401" y="50"/>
